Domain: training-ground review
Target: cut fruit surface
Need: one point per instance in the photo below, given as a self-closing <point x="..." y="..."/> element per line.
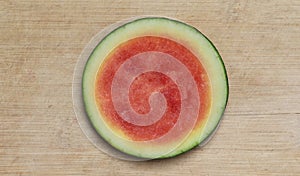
<point x="155" y="88"/>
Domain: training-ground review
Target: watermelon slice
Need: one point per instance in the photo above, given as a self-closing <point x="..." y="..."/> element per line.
<point x="155" y="88"/>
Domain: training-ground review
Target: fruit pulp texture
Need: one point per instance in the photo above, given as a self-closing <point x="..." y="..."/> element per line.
<point x="147" y="83"/>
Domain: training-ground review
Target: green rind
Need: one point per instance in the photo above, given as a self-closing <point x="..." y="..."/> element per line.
<point x="180" y="151"/>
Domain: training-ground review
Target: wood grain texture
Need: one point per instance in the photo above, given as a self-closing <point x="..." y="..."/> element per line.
<point x="40" y="42"/>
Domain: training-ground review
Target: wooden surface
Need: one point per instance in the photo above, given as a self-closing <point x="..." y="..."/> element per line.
<point x="40" y="42"/>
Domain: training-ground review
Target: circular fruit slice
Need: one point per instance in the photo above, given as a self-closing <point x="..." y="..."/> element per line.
<point x="154" y="88"/>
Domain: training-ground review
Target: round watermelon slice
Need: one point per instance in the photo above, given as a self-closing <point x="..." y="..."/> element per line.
<point x="154" y="88"/>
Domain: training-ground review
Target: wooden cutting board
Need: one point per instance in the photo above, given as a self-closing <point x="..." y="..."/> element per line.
<point x="40" y="42"/>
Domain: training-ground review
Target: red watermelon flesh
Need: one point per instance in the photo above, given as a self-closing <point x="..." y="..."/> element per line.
<point x="147" y="83"/>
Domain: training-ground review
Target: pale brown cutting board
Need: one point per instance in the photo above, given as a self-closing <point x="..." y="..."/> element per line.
<point x="40" y="42"/>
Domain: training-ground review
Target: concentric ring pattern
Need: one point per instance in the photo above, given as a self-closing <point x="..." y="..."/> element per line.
<point x="154" y="88"/>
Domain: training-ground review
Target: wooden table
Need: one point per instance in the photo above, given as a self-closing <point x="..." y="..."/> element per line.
<point x="40" y="42"/>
